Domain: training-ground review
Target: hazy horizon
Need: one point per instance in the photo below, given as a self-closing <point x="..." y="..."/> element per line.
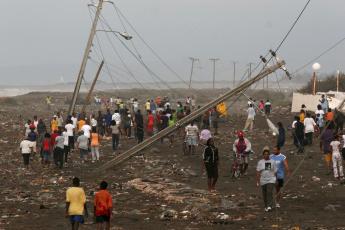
<point x="43" y="41"/>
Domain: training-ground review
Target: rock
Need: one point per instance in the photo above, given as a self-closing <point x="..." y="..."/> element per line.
<point x="315" y="179"/>
<point x="331" y="207"/>
<point x="43" y="207"/>
<point x="46" y="196"/>
<point x="154" y="150"/>
<point x="135" y="212"/>
<point x="53" y="180"/>
<point x="191" y="172"/>
<point x="222" y="216"/>
<point x="168" y="215"/>
<point x="227" y="204"/>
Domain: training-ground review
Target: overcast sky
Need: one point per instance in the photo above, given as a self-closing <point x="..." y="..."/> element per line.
<point x="42" y="41"/>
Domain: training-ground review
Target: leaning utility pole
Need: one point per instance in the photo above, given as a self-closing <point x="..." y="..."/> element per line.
<point x="148" y="142"/>
<point x="86" y="55"/>
<point x="88" y="97"/>
<point x="250" y="69"/>
<point x="214" y="69"/>
<point x="234" y="81"/>
<point x="191" y="72"/>
<point x="338" y="74"/>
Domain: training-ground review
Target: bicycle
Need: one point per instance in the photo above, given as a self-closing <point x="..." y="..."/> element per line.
<point x="235" y="169"/>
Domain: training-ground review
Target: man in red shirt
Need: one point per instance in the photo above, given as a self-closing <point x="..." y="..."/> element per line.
<point x="103" y="206"/>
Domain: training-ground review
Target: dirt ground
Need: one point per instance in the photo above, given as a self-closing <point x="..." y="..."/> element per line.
<point x="161" y="188"/>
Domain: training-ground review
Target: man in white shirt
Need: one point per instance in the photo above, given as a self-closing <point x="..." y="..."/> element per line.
<point x="192" y="133"/>
<point x="26" y="147"/>
<point x="74" y="120"/>
<point x="70" y="133"/>
<point x="86" y="129"/>
<point x="250" y="119"/>
<point x="116" y="117"/>
<point x="309" y="126"/>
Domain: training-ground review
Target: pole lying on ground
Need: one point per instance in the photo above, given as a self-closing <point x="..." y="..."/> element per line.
<point x="88" y="97"/>
<point x="148" y="142"/>
<point x="85" y="57"/>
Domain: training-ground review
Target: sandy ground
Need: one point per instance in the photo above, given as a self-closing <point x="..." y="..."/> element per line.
<point x="162" y="188"/>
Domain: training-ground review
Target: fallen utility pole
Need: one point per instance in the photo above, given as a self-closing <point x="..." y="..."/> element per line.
<point x="148" y="142"/>
<point x="85" y="57"/>
<point x="88" y="97"/>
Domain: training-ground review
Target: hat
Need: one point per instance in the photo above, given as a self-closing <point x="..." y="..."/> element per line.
<point x="54" y="115"/>
<point x="240" y="134"/>
<point x="265" y="149"/>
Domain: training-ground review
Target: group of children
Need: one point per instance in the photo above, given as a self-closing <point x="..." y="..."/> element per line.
<point x="76" y="206"/>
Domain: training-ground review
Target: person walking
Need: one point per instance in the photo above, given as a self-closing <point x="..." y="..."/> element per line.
<point x="298" y="132"/>
<point x="76" y="204"/>
<point x="32" y="135"/>
<point x="282" y="170"/>
<point x="59" y="150"/>
<point x="336" y="158"/>
<point x="66" y="147"/>
<point x="95" y="142"/>
<point x="46" y="149"/>
<point x="103" y="207"/>
<point x="250" y="119"/>
<point x="266" y="170"/>
<point x="281" y="135"/>
<point x="139" y="126"/>
<point x="325" y="147"/>
<point x="115" y="134"/>
<point x="215" y="119"/>
<point x="83" y="146"/>
<point x="324" y="103"/>
<point x="309" y="127"/>
<point x="25" y="148"/>
<point x="41" y="131"/>
<point x="150" y="123"/>
<point x="70" y="129"/>
<point x="191" y="136"/>
<point x="268" y="107"/>
<point x="54" y="125"/>
<point x="211" y="160"/>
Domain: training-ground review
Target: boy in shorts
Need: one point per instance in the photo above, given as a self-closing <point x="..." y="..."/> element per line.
<point x="282" y="170"/>
<point x="103" y="205"/>
<point x="76" y="204"/>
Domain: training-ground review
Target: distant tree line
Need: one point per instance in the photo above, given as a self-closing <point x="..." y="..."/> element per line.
<point x="326" y="84"/>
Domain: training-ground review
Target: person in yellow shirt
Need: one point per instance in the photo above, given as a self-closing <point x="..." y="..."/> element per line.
<point x="301" y="115"/>
<point x="76" y="204"/>
<point x="54" y="124"/>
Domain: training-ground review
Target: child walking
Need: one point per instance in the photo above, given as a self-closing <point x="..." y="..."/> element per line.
<point x="336" y="158"/>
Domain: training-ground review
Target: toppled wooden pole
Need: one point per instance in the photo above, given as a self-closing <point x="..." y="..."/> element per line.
<point x="148" y="142"/>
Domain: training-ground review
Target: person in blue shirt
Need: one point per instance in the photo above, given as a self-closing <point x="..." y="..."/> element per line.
<point x="282" y="170"/>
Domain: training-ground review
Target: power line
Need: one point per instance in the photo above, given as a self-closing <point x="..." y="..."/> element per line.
<point x="319" y="56"/>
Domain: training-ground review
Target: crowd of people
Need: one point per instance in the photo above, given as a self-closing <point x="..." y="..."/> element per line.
<point x="85" y="132"/>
